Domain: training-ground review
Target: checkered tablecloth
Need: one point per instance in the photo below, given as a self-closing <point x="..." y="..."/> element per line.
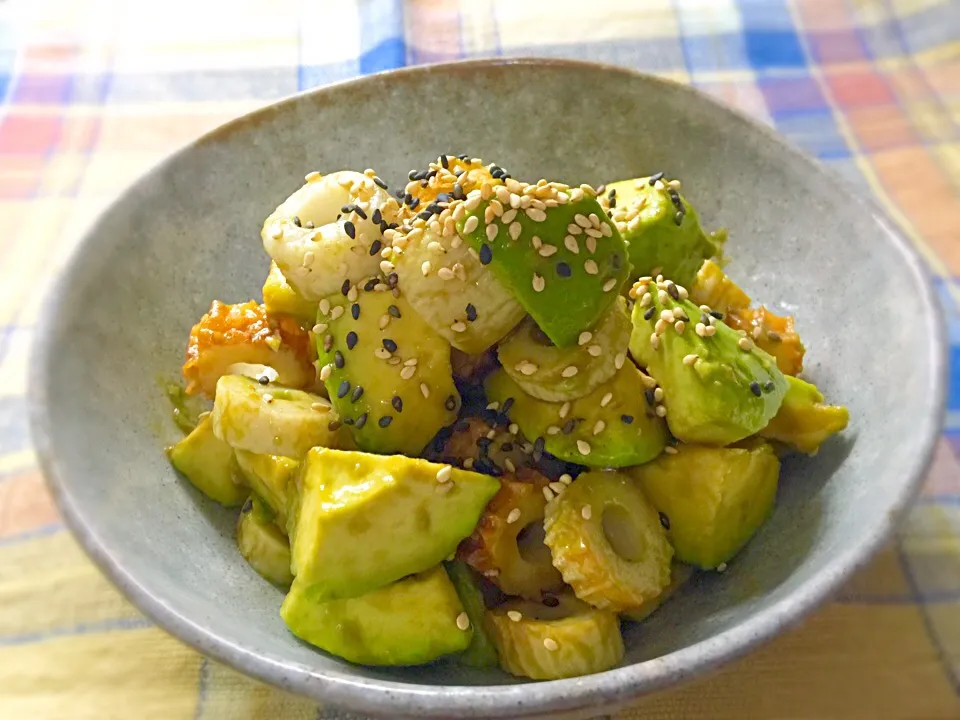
<point x="94" y="92"/>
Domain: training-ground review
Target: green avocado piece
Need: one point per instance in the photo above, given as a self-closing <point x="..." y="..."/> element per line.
<point x="409" y="622"/>
<point x="609" y="427"/>
<point x="712" y="500"/>
<point x="387" y="372"/>
<point x="209" y="464"/>
<point x="269" y="476"/>
<point x="803" y="422"/>
<point x="481" y="652"/>
<point x="718" y="386"/>
<point x="279" y="298"/>
<point x="367" y="520"/>
<point x="661" y="229"/>
<point x="570" y="256"/>
<point x="680" y="573"/>
<point x="263" y="544"/>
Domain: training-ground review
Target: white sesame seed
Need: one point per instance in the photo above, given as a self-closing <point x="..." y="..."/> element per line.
<point x="646" y="300"/>
<point x="598" y="427"/>
<point x="557" y="487"/>
<point x="586" y="512"/>
<point x="408" y="372"/>
<point x="757" y="331"/>
<point x="319" y="407"/>
<point x="492" y="230"/>
<point x="527" y="368"/>
<point x="468" y="463"/>
<point x="663" y="297"/>
<point x="550" y="644"/>
<point x="670" y="450"/>
<point x="721" y="567"/>
<point x="319" y="328"/>
<point x="585" y="337"/>
<point x="569" y="371"/>
<point x="658" y="394"/>
<point x="536" y="242"/>
<point x="308" y="258"/>
<point x="325" y="372"/>
<point x="666" y="315"/>
<point x="336" y="312"/>
<point x="661" y="411"/>
<point x="538" y="283"/>
<point x="311" y="176"/>
<point x="267" y="398"/>
<point x="679" y="326"/>
<point x="352" y="294"/>
<point x="502" y="193"/>
<point x="583" y="447"/>
<point x="591" y="245"/>
<point x="547" y="493"/>
<point x="471" y="222"/>
<point x="593" y="234"/>
<point x="564" y="409"/>
<point x="435" y="247"/>
<point x="444" y="474"/>
<point x="382" y="353"/>
<point x="514" y="615"/>
<point x="459" y="327"/>
<point x="509" y="216"/>
<point x="654" y="340"/>
<point x="508" y="464"/>
<point x="606" y="399"/>
<point x="619" y="360"/>
<point x="513" y="428"/>
<point x="690" y="359"/>
<point x="606" y="230"/>
<point x="582" y="220"/>
<point x="426" y="267"/>
<point x="410" y="362"/>
<point x="513" y="516"/>
<point x="276" y="232"/>
<point x="682" y="292"/>
<point x="576" y="195"/>
<point x="574" y="229"/>
<point x="710" y="331"/>
<point x="591" y="267"/>
<point x="547" y="250"/>
<point x="595" y="351"/>
<point x="463" y="622"/>
<point x="744" y="344"/>
<point x="384" y="321"/>
<point x="553" y="430"/>
<point x="424" y="390"/>
<point x="325" y="306"/>
<point x="700" y="329"/>
<point x="514" y="230"/>
<point x="446" y="273"/>
<point x="536" y="214"/>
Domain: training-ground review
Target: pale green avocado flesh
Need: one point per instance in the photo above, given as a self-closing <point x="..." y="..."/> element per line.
<point x="209" y="464"/>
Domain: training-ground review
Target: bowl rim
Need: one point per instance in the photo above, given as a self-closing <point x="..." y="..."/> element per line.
<point x="605" y="690"/>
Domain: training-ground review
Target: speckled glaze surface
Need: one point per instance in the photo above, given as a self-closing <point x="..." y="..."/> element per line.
<point x="188" y="232"/>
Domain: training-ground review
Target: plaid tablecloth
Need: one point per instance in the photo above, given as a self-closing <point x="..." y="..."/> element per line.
<point x="94" y="92"/>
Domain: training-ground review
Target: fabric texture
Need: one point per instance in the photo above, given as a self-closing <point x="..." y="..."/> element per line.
<point x="95" y="92"/>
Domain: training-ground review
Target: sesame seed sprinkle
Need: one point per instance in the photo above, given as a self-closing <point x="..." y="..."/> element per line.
<point x="425" y="390"/>
<point x="586" y="512"/>
<point x="463" y="622"/>
<point x="583" y="447"/>
<point x="551" y="644"/>
<point x="595" y="351"/>
<point x="444" y="474"/>
<point x="547" y="494"/>
<point x="515" y="615"/>
<point x="564" y="410"/>
<point x="513" y="516"/>
<point x="690" y="359"/>
<point x="538" y="282"/>
<point x="570" y="371"/>
<point x="606" y="399"/>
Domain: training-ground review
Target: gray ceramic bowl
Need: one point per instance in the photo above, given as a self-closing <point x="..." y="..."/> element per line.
<point x="187" y="232"/>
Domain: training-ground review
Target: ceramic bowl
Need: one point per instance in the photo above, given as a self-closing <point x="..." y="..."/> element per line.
<point x="188" y="232"/>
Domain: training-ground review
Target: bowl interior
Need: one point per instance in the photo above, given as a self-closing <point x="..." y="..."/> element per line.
<point x="189" y="232"/>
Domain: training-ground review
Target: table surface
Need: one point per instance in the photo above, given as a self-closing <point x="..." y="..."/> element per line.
<point x="94" y="92"/>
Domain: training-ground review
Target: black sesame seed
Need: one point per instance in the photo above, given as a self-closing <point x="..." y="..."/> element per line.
<point x="507" y="404"/>
<point x="507" y="447"/>
<point x="425" y="215"/>
<point x="357" y="393"/>
<point x="489" y="416"/>
<point x="359" y="211"/>
<point x="678" y="218"/>
<point x="717" y="314"/>
<point x="327" y="343"/>
<point x="389" y="345"/>
<point x="355" y="311"/>
<point x="375" y="247"/>
<point x="343" y="389"/>
<point x="650" y="397"/>
<point x="458" y="193"/>
<point x="370" y="284"/>
<point x="551" y="601"/>
<point x="612" y="194"/>
<point x="626" y="419"/>
<point x="349" y="228"/>
<point x="400" y="195"/>
<point x="393" y="279"/>
<point x="471" y="312"/>
<point x="755" y="388"/>
<point x="413" y="175"/>
<point x="570" y="426"/>
<point x="655" y="177"/>
<point x="385" y="421"/>
<point x="613" y="203"/>
<point x="665" y="521"/>
<point x="483" y="443"/>
<point x="397" y="403"/>
<point x="414" y="202"/>
<point x="394" y="311"/>
<point x="539" y="444"/>
<point x="345" y="288"/>
<point x="450" y="403"/>
<point x="563" y="270"/>
<point x="434" y="208"/>
<point x="351" y="340"/>
<point x="443" y="198"/>
<point x="361" y="421"/>
<point x="461" y="425"/>
<point x="379" y="182"/>
<point x="296" y="221"/>
<point x="377" y="217"/>
<point x="445" y="161"/>
<point x="348" y="421"/>
<point x="333" y="425"/>
<point x="773" y="336"/>
<point x="247" y="506"/>
<point x="463" y="157"/>
<point x="673" y="292"/>
<point x="649" y="313"/>
<point x="263" y="380"/>
<point x="407" y="198"/>
<point x="486" y="254"/>
<point x="347" y="209"/>
<point x="384" y="226"/>
<point x="616" y="260"/>
<point x="770" y="387"/>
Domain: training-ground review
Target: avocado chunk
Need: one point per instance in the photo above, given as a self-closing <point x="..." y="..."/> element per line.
<point x="209" y="464"/>
<point x="711" y="500"/>
<point x="569" y="256"/>
<point x="718" y="386"/>
<point x="262" y="544"/>
<point x="679" y="575"/>
<point x="556" y="374"/>
<point x="387" y="373"/>
<point x="803" y="422"/>
<point x="269" y="476"/>
<point x="609" y="427"/>
<point x="481" y="652"/>
<point x="409" y="622"/>
<point x="279" y="298"/>
<point x="661" y="229"/>
<point x="367" y="520"/>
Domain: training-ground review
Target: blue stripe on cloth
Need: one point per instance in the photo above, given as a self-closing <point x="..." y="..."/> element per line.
<point x="310" y="76"/>
<point x="111" y="625"/>
<point x="35" y="534"/>
<point x="203" y="683"/>
<point x="382" y="36"/>
<point x="14" y="431"/>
